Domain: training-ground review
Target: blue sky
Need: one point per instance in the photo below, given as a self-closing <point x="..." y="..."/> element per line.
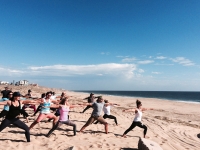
<point x="102" y="45"/>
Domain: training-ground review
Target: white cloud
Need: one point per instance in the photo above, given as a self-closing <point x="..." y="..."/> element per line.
<point x="111" y="69"/>
<point x="105" y="53"/>
<point x="156" y="72"/>
<point x="183" y="61"/>
<point x="140" y="70"/>
<point x="8" y="71"/>
<point x="122" y="56"/>
<point x="144" y="62"/>
<point x="161" y="57"/>
<point x="129" y="59"/>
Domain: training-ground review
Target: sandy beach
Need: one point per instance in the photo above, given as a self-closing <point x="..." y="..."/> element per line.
<point x="173" y="125"/>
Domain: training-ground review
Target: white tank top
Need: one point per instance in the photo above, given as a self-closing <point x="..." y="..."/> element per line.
<point x="138" y="116"/>
<point x="106" y="110"/>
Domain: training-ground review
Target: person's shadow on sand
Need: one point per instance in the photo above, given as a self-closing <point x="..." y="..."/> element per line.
<point x="198" y="135"/>
<point x="12" y="140"/>
<point x="128" y="149"/>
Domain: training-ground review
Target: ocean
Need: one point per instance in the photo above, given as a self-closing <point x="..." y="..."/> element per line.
<point x="193" y="97"/>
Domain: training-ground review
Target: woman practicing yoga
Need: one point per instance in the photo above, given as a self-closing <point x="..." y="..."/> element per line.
<point x="64" y="108"/>
<point x="106" y="110"/>
<point x="12" y="117"/>
<point x="137" y="119"/>
<point x="45" y="110"/>
<point x="96" y="114"/>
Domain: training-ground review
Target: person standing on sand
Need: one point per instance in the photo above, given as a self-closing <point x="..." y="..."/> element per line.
<point x="137" y="119"/>
<point x="107" y="114"/>
<point x="5" y="93"/>
<point x="40" y="106"/>
<point x="12" y="117"/>
<point x="6" y="107"/>
<point x="64" y="108"/>
<point x="45" y="110"/>
<point x="27" y="96"/>
<point x="96" y="114"/>
<point x="90" y="100"/>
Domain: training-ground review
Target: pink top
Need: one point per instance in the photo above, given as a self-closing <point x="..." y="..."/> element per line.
<point x="63" y="113"/>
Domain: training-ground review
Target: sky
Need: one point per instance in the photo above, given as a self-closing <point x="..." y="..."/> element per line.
<point x="134" y="45"/>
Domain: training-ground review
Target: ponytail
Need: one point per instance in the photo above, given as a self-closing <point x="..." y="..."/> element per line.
<point x="138" y="102"/>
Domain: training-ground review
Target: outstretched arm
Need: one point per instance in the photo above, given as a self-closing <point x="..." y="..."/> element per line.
<point x="54" y="106"/>
<point x="79" y="105"/>
<point x="38" y="101"/>
<point x="129" y="110"/>
<point x="3" y="102"/>
<point x="113" y="104"/>
<point x="144" y="109"/>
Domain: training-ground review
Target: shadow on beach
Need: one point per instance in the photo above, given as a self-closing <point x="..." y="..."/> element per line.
<point x="126" y="136"/>
<point x="128" y="149"/>
<point x="12" y="140"/>
<point x="198" y="135"/>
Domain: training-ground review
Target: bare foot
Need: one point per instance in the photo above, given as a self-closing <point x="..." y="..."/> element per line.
<point x="124" y="136"/>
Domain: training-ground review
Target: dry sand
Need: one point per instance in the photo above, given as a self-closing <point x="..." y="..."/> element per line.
<point x="173" y="125"/>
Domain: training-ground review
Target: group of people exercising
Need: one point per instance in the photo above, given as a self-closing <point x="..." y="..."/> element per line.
<point x="13" y="102"/>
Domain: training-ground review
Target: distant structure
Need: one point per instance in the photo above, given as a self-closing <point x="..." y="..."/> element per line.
<point x="4" y="82"/>
<point x="22" y="83"/>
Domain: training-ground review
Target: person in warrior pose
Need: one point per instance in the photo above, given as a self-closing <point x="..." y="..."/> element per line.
<point x="40" y="106"/>
<point x="64" y="108"/>
<point x="90" y="100"/>
<point x="96" y="114"/>
<point x="12" y="117"/>
<point x="107" y="114"/>
<point x="45" y="110"/>
<point x="137" y="120"/>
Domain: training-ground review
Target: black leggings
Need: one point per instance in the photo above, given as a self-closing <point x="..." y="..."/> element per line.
<point x="18" y="123"/>
<point x="108" y="116"/>
<point x="134" y="124"/>
<point x="3" y="113"/>
<point x="86" y="108"/>
<point x="37" y="110"/>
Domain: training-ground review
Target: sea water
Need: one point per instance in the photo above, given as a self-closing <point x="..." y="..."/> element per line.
<point x="185" y="96"/>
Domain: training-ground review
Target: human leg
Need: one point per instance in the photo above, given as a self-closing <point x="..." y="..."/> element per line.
<point x="52" y="129"/>
<point x="23" y="126"/>
<point x="3" y="113"/>
<point x="57" y="113"/>
<point x="33" y="107"/>
<point x="139" y="124"/>
<point x="4" y="124"/>
<point x="102" y="121"/>
<point x="37" y="110"/>
<point x="70" y="123"/>
<point x="90" y="120"/>
<point x="52" y="116"/>
<point x="40" y="118"/>
<point x="110" y="117"/>
<point x="129" y="129"/>
<point x="86" y="108"/>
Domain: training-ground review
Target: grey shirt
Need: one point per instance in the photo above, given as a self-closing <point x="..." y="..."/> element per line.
<point x="97" y="108"/>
